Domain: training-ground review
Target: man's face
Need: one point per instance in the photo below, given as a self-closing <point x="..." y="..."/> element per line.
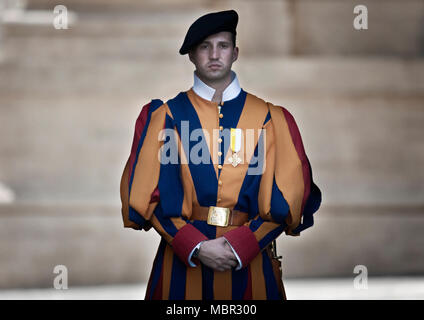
<point x="214" y="56"/>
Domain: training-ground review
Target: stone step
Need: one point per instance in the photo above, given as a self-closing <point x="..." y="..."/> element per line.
<point x="379" y="288"/>
<point x="328" y="288"/>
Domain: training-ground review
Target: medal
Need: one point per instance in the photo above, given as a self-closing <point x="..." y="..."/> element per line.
<point x="234" y="159"/>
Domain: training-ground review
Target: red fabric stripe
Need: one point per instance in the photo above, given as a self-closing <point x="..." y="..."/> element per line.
<point x="139" y="127"/>
<point x="244" y="243"/>
<point x="248" y="291"/>
<point x="297" y="141"/>
<point x="185" y="240"/>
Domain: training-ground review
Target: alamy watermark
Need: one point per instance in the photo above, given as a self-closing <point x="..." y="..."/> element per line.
<point x="360" y="22"/>
<point x="60" y="20"/>
<point x="360" y="282"/>
<point x="198" y="147"/>
<point x="60" y="282"/>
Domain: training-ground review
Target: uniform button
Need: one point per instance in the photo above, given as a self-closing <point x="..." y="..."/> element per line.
<point x="219" y="166"/>
<point x="221" y="115"/>
<point x="221" y="128"/>
<point x="219" y="153"/>
<point x="220" y="182"/>
<point x="219" y="140"/>
<point x="218" y="200"/>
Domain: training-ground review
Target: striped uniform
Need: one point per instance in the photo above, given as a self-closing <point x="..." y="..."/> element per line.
<point x="162" y="194"/>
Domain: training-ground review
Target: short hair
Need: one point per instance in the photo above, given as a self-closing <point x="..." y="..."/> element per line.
<point x="233" y="37"/>
<point x="233" y="40"/>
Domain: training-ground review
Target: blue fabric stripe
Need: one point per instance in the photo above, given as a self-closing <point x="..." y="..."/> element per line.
<point x="178" y="279"/>
<point x="279" y="206"/>
<point x="239" y="283"/>
<point x="165" y="222"/>
<point x="157" y="268"/>
<point x="273" y="234"/>
<point x="231" y="111"/>
<point x="207" y="273"/>
<point x="270" y="282"/>
<point x="256" y="223"/>
<point x="248" y="195"/>
<point x="135" y="217"/>
<point x="207" y="283"/>
<point x="204" y="177"/>
<point x="208" y="230"/>
<point x="268" y="117"/>
<point x="170" y="185"/>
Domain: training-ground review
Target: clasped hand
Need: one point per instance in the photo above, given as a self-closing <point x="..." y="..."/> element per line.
<point x="217" y="254"/>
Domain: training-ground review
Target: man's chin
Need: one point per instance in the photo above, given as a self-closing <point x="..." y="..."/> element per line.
<point x="215" y="75"/>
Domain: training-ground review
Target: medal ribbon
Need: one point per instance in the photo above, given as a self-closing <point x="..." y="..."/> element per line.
<point x="235" y="139"/>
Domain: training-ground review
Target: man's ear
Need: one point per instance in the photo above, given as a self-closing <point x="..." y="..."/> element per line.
<point x="190" y="56"/>
<point x="235" y="53"/>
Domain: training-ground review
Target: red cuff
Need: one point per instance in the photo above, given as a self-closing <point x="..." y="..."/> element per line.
<point x="244" y="243"/>
<point x="185" y="240"/>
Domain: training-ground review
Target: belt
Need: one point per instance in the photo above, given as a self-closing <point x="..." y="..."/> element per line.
<point x="219" y="216"/>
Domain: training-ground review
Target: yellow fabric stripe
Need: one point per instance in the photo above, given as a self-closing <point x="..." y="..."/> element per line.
<point x="146" y="173"/>
<point x="233" y="139"/>
<point x="265" y="228"/>
<point x="124" y="198"/>
<point x="194" y="283"/>
<point x="178" y="222"/>
<point x="258" y="280"/>
<point x="167" y="271"/>
<point x="288" y="167"/>
<point x="222" y="285"/>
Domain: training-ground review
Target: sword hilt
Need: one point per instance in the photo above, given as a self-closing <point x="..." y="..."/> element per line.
<point x="274" y="250"/>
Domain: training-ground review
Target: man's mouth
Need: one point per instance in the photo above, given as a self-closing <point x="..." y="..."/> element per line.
<point x="214" y="66"/>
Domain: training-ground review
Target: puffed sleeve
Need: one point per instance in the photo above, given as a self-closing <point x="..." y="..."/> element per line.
<point x="130" y="218"/>
<point x="155" y="191"/>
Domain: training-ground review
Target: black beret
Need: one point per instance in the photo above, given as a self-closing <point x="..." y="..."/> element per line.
<point x="207" y="25"/>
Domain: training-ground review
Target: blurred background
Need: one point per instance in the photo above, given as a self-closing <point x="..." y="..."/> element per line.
<point x="69" y="99"/>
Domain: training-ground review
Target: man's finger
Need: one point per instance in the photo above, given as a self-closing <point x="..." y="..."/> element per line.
<point x="233" y="263"/>
<point x="228" y="265"/>
<point x="231" y="257"/>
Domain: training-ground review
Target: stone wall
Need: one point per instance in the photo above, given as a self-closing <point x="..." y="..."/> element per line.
<point x="298" y="27"/>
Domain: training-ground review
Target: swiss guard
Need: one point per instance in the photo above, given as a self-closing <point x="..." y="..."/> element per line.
<point x="219" y="173"/>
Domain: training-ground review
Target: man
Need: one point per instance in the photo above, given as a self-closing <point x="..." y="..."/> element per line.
<point x="219" y="174"/>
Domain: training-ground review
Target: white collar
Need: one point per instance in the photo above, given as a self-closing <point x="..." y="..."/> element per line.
<point x="206" y="92"/>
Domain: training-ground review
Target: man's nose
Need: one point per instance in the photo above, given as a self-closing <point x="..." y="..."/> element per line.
<point x="214" y="52"/>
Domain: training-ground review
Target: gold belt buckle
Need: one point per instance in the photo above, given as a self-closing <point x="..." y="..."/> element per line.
<point x="218" y="216"/>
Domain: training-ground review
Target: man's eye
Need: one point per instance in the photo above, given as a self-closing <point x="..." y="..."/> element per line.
<point x="224" y="45"/>
<point x="203" y="46"/>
